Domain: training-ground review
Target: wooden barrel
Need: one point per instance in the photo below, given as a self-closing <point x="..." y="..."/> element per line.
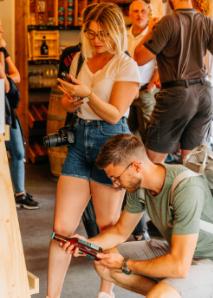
<point x="55" y="120"/>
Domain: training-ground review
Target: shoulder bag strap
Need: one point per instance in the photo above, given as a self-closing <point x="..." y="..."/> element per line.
<point x="184" y="175"/>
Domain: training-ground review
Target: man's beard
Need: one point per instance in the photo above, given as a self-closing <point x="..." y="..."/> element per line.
<point x="171" y="4"/>
<point x="133" y="185"/>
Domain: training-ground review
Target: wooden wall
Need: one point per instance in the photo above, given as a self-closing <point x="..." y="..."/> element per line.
<point x="21" y="57"/>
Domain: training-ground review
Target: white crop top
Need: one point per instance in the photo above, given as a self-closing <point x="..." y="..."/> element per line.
<point x="120" y="68"/>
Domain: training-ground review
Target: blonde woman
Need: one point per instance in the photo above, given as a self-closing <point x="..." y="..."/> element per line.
<point x="107" y="84"/>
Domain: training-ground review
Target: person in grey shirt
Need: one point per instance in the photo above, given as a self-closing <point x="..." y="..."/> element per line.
<point x="184" y="108"/>
<point x="181" y="265"/>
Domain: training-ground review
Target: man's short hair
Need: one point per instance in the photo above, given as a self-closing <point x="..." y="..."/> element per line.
<point x="119" y="149"/>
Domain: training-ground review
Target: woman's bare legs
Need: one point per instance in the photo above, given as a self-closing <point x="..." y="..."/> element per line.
<point x="71" y="199"/>
<point x="107" y="202"/>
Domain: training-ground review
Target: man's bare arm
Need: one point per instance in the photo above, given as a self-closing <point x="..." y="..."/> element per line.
<point x="174" y="264"/>
<point x="142" y="55"/>
<point x="118" y="233"/>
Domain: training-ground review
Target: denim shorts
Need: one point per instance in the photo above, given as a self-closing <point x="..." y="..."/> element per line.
<point x="90" y="135"/>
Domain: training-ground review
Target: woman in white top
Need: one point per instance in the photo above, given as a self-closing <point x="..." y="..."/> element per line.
<point x="107" y="84"/>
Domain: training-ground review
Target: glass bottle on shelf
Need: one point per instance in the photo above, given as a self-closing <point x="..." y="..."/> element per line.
<point x="44" y="50"/>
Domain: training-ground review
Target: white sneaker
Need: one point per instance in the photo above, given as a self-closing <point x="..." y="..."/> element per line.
<point x="105" y="295"/>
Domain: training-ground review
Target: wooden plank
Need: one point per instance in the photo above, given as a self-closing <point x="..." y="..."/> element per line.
<point x="33" y="283"/>
<point x="21" y="56"/>
<point x="210" y="8"/>
<point x="13" y="273"/>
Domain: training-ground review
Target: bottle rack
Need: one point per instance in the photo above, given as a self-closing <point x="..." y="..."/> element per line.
<point x="37" y="115"/>
<point x="42" y="76"/>
<point x="56" y="12"/>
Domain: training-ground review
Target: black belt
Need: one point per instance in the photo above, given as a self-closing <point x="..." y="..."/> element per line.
<point x="95" y="122"/>
<point x="184" y="83"/>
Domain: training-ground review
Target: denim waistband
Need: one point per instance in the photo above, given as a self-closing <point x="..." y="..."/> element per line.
<point x="96" y="122"/>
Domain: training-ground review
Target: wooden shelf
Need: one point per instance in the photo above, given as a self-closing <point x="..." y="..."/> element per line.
<point x="49" y="27"/>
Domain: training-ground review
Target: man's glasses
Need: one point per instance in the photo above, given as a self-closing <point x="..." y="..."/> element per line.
<point x="116" y="180"/>
<point x="91" y="35"/>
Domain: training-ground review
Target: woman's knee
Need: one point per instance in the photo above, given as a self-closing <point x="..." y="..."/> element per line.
<point x="104" y="223"/>
<point x="63" y="228"/>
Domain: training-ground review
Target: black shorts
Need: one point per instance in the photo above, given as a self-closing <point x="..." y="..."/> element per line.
<point x="181" y="118"/>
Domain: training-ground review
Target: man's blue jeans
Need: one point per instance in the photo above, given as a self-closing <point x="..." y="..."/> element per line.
<point x="16" y="148"/>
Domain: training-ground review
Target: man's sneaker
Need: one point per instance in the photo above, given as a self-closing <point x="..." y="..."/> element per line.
<point x="26" y="201"/>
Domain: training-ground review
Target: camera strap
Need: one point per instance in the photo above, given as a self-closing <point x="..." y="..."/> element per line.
<point x="70" y="118"/>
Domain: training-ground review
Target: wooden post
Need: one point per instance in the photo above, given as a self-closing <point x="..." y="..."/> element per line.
<point x="210" y="9"/>
<point x="13" y="274"/>
<point x="21" y="58"/>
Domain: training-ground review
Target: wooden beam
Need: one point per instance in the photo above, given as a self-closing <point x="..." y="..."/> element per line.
<point x="33" y="283"/>
<point x="21" y="58"/>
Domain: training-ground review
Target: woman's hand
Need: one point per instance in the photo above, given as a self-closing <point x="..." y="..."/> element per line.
<point x="110" y="260"/>
<point x="76" y="88"/>
<point x="70" y="104"/>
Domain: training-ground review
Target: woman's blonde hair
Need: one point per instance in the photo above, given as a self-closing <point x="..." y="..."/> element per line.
<point x="110" y="18"/>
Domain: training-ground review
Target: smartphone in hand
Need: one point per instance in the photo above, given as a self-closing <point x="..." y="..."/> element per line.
<point x="66" y="77"/>
<point x="89" y="249"/>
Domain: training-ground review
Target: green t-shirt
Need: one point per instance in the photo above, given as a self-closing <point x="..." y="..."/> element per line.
<point x="192" y="202"/>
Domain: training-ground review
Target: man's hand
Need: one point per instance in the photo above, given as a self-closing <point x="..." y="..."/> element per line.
<point x="110" y="260"/>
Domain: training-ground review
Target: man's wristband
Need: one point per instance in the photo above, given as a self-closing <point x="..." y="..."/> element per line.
<point x="124" y="268"/>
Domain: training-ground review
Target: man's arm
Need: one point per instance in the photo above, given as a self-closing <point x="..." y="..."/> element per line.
<point x="118" y="233"/>
<point x="142" y="55"/>
<point x="174" y="264"/>
<point x="155" y="81"/>
<point x="155" y="40"/>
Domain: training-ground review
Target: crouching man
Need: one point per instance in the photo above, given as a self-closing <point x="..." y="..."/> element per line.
<point x="181" y="265"/>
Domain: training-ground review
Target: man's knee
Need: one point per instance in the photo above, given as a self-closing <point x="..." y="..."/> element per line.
<point x="103" y="272"/>
<point x="163" y="290"/>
